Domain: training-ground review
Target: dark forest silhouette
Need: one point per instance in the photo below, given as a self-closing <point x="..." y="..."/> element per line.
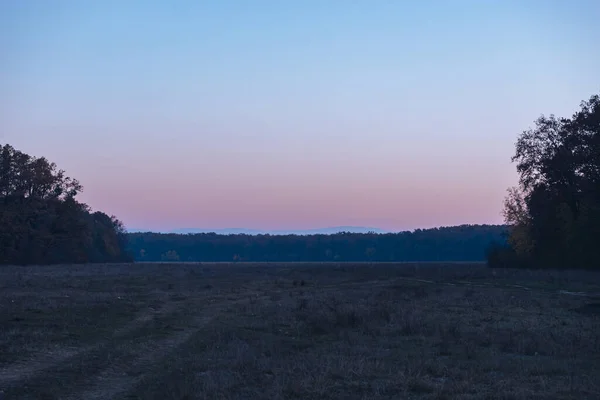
<point x="41" y="222"/>
<point x="459" y="243"/>
<point x="554" y="213"/>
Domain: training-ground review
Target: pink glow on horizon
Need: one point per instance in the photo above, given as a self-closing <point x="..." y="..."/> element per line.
<point x="272" y="195"/>
<point x="290" y="115"/>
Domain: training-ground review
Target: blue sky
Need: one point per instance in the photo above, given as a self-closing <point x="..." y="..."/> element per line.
<point x="290" y="115"/>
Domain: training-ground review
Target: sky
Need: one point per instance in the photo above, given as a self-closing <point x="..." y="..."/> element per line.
<point x="291" y="114"/>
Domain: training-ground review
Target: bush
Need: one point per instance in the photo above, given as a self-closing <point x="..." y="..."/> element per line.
<point x="504" y="256"/>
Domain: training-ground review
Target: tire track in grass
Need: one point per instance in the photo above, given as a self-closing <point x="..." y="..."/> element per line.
<point x="27" y="369"/>
<point x="115" y="382"/>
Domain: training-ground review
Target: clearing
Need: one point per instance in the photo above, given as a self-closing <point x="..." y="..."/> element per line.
<point x="298" y="331"/>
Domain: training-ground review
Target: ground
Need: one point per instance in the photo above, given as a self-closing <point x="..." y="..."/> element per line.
<point x="298" y="331"/>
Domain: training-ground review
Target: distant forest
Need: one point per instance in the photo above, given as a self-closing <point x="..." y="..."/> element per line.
<point x="41" y="222"/>
<point x="458" y="243"/>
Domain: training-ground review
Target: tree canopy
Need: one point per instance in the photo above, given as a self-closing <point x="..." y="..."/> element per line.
<point x="41" y="222"/>
<point x="554" y="213"/>
<point x="458" y="243"/>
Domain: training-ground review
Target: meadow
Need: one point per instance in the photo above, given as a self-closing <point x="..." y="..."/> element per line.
<point x="298" y="331"/>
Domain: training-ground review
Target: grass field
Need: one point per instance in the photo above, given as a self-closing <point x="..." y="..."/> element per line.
<point x="298" y="331"/>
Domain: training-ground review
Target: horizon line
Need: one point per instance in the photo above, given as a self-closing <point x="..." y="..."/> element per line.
<point x="330" y="230"/>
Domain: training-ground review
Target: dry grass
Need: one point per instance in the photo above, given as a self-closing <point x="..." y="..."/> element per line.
<point x="298" y="331"/>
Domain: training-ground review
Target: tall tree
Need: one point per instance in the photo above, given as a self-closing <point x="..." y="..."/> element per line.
<point x="555" y="213"/>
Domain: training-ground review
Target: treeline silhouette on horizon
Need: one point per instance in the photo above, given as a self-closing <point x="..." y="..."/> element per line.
<point x="41" y="222"/>
<point x="456" y="243"/>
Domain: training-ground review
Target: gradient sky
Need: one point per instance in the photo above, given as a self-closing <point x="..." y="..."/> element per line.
<point x="290" y="114"/>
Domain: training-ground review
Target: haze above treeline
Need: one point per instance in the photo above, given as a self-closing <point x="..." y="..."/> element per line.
<point x="249" y="231"/>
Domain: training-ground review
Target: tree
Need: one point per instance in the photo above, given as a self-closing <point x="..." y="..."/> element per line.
<point x="170" y="255"/>
<point x="29" y="177"/>
<point x="42" y="222"/>
<point x="554" y="214"/>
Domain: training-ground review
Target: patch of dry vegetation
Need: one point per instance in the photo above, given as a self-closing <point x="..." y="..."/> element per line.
<point x="346" y="331"/>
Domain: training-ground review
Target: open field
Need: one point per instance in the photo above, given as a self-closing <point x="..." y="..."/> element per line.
<point x="298" y="331"/>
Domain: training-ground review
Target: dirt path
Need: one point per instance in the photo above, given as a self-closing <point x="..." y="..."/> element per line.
<point x="26" y="369"/>
<point x="114" y="382"/>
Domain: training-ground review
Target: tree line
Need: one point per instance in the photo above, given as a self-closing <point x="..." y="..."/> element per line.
<point x="554" y="213"/>
<point x="41" y="222"/>
<point x="458" y="243"/>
